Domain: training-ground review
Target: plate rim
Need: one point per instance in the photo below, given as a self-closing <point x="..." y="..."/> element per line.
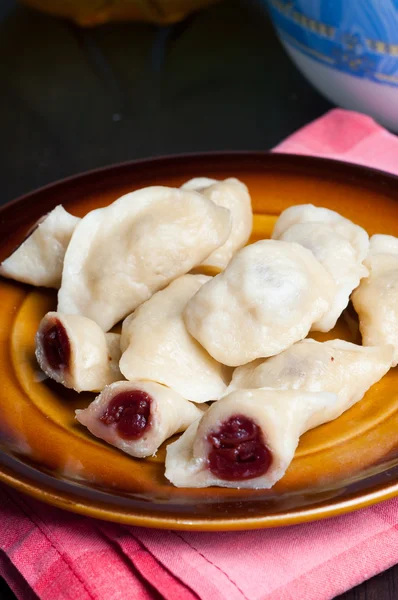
<point x="76" y="504"/>
<point x="70" y="500"/>
<point x="305" y="159"/>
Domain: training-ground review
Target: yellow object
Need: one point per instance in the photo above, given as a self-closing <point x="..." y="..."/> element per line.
<point x="89" y="13"/>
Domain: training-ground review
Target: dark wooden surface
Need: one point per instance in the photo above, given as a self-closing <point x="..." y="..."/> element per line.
<point x="5" y="592"/>
<point x="74" y="99"/>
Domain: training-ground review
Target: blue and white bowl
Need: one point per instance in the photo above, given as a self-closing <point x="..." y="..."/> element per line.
<point x="348" y="49"/>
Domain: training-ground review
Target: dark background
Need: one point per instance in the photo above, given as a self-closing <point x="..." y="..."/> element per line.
<point x="74" y="99"/>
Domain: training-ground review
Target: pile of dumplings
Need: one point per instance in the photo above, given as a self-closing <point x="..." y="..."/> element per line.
<point x="224" y="360"/>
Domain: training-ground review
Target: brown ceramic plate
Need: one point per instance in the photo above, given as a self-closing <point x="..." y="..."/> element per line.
<point x="341" y="466"/>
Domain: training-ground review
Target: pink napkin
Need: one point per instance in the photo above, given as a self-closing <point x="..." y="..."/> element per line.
<point x="48" y="553"/>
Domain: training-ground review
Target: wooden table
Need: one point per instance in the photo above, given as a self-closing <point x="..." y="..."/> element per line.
<point x="74" y="99"/>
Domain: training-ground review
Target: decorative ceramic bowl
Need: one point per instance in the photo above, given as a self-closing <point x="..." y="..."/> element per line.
<point x="348" y="49"/>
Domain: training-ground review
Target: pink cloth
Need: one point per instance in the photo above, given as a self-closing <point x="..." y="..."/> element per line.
<point x="346" y="135"/>
<point x="50" y="554"/>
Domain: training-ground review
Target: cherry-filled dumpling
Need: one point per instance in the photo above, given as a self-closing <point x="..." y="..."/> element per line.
<point x="335" y="366"/>
<point x="245" y="440"/>
<point x="268" y="297"/>
<point x="39" y="258"/>
<point x="375" y="300"/>
<point x="121" y="254"/>
<point x="234" y="195"/>
<point x="137" y="417"/>
<point x="156" y="345"/>
<point x="75" y="352"/>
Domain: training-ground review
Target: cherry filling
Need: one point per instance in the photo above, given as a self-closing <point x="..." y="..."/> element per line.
<point x="56" y="346"/>
<point x="238" y="450"/>
<point x="131" y="412"/>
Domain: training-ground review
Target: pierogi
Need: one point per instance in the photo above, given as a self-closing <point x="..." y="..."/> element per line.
<point x="268" y="297"/>
<point x="308" y="213"/>
<point x="245" y="440"/>
<point x="40" y="257"/>
<point x="121" y="254"/>
<point x="156" y="345"/>
<point x="75" y="352"/>
<point x="234" y="195"/>
<point x="335" y="366"/>
<point x="137" y="417"/>
<point x="337" y="243"/>
<point x="375" y="300"/>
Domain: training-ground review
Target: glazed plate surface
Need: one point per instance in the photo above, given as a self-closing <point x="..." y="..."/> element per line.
<point x="341" y="466"/>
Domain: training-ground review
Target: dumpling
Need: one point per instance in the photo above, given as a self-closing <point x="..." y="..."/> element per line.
<point x="234" y="195"/>
<point x="156" y="345"/>
<point x="138" y="417"/>
<point x="338" y="257"/>
<point x="40" y="257"/>
<point x="121" y="254"/>
<point x="335" y="366"/>
<point x="382" y="244"/>
<point x="308" y="213"/>
<point x="337" y="243"/>
<point x="375" y="300"/>
<point x="197" y="184"/>
<point x="74" y="351"/>
<point x="267" y="298"/>
<point x="245" y="440"/>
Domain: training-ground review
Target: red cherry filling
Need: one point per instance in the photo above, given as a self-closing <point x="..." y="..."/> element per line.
<point x="238" y="450"/>
<point x="56" y="346"/>
<point x="131" y="412"/>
